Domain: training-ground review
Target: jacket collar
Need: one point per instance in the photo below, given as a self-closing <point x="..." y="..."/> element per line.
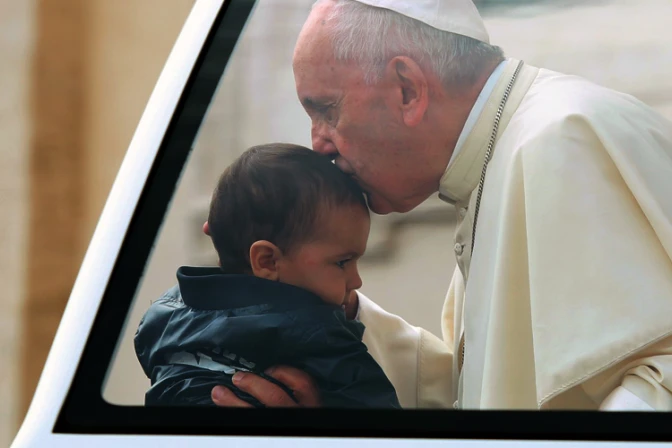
<point x="208" y="288"/>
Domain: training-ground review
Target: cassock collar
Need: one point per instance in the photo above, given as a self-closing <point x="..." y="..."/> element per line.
<point x="464" y="170"/>
<point x="478" y="108"/>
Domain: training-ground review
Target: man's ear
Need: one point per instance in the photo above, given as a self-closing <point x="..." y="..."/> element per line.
<point x="264" y="258"/>
<point x="414" y="87"/>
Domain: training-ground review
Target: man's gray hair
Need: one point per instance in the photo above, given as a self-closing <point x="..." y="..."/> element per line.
<point x="371" y="36"/>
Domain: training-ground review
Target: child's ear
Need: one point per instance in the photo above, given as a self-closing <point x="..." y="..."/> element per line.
<point x="264" y="258"/>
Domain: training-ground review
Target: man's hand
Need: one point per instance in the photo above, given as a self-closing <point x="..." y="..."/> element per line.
<point x="268" y="393"/>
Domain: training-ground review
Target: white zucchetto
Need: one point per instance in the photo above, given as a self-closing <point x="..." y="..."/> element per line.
<point x="455" y="16"/>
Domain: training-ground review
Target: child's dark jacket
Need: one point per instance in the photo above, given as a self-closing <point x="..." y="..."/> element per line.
<point x="190" y="342"/>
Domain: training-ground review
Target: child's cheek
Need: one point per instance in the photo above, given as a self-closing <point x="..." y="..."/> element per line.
<point x="312" y="263"/>
<point x="313" y="266"/>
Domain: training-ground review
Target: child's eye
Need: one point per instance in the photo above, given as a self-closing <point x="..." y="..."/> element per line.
<point x="341" y="264"/>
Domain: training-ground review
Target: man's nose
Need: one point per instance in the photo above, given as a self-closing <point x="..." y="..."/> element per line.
<point x="322" y="143"/>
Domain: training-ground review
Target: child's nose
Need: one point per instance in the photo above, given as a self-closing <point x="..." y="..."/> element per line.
<point x="355" y="281"/>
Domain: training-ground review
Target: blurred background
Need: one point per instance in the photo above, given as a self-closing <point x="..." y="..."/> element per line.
<point x="74" y="79"/>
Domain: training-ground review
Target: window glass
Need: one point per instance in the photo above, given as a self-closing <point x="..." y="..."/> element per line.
<point x="410" y="258"/>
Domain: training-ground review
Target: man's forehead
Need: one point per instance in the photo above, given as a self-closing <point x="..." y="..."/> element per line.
<point x="318" y="77"/>
<point x="312" y="45"/>
<point x="318" y="88"/>
<point x="319" y="13"/>
<point x="314" y="37"/>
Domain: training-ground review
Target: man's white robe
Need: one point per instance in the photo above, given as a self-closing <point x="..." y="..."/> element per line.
<point x="569" y="289"/>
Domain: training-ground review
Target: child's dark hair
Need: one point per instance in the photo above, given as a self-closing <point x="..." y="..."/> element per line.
<point x="275" y="192"/>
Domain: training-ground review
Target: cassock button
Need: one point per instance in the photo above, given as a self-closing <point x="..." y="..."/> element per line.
<point x="459" y="248"/>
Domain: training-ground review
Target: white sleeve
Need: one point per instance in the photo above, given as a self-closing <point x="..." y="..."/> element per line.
<point x="642" y="382"/>
<point x="357" y="315"/>
<point x="418" y="364"/>
<point x="621" y="399"/>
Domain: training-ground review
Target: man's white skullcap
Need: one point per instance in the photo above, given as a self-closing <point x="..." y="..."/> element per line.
<point x="455" y="16"/>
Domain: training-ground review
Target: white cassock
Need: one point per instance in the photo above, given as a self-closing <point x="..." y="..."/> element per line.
<point x="568" y="296"/>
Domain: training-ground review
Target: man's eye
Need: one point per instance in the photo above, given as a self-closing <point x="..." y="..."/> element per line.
<point x="328" y="113"/>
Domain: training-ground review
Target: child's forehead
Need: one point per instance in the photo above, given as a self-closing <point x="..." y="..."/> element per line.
<point x="346" y="227"/>
<point x="342" y="218"/>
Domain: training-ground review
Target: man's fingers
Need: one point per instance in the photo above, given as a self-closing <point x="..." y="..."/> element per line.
<point x="222" y="396"/>
<point x="268" y="393"/>
<point x="264" y="391"/>
<point x="299" y="382"/>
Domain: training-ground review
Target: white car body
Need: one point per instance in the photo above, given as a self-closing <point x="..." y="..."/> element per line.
<point x="59" y="371"/>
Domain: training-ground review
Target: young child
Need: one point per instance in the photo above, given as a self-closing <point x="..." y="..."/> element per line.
<point x="288" y="227"/>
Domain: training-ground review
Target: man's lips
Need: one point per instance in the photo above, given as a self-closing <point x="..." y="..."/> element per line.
<point x="344" y="166"/>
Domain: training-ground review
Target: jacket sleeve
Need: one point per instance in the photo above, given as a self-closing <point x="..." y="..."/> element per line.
<point x="346" y="374"/>
<point x="419" y="365"/>
<point x="182" y="385"/>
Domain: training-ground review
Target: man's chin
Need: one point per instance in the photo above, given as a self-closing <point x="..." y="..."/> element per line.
<point x="381" y="206"/>
<point x="378" y="205"/>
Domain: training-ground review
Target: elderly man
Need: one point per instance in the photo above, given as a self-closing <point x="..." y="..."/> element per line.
<point x="562" y="298"/>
